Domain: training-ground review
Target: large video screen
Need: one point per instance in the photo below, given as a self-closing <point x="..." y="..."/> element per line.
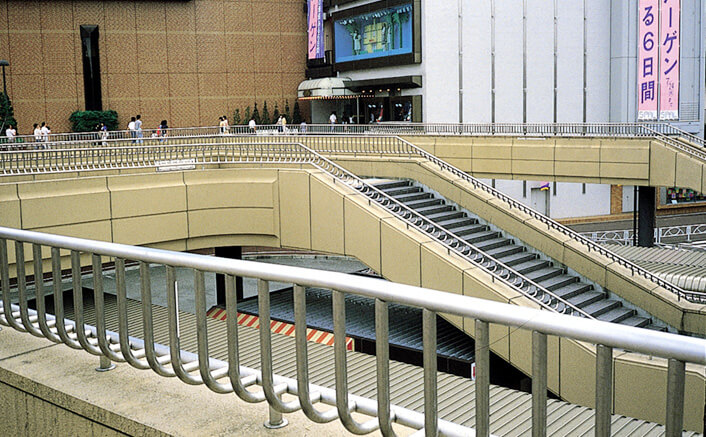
<point x="386" y="32"/>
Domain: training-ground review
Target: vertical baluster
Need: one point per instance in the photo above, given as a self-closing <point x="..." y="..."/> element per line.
<point x="539" y="384"/>
<point x="99" y="301"/>
<point x="39" y="287"/>
<point x="431" y="415"/>
<point x="482" y="378"/>
<point x="22" y="289"/>
<point x="604" y="389"/>
<point x="382" y="359"/>
<point x="675" y="398"/>
<point x="5" y="280"/>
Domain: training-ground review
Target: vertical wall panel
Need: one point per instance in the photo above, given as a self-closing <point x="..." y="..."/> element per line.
<point x="570" y="61"/>
<point x="476" y="61"/>
<point x="540" y="61"/>
<point x="597" y="60"/>
<point x="440" y="58"/>
<point x="508" y="61"/>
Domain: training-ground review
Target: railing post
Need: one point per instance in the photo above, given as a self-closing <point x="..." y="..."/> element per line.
<point x="675" y="398"/>
<point x="604" y="389"/>
<point x="105" y="364"/>
<point x="275" y="420"/>
<point x="539" y="384"/>
<point x="482" y="379"/>
<point x="431" y="415"/>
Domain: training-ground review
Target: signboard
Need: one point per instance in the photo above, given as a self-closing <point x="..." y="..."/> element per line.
<point x="647" y="63"/>
<point x="669" y="60"/>
<point x="176" y="165"/>
<point x="376" y="34"/>
<point x="315" y="29"/>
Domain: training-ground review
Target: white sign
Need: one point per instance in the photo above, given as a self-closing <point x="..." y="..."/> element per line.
<point x="176" y="164"/>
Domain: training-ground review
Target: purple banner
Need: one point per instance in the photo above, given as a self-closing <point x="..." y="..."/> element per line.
<point x="669" y="60"/>
<point x="647" y="63"/>
<point x="315" y="26"/>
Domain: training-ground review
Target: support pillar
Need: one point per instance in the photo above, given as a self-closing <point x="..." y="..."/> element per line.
<point x="230" y="252"/>
<point x="646" y="216"/>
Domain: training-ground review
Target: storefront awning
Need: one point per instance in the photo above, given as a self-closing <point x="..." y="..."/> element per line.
<point x="325" y="88"/>
<point x="385" y="82"/>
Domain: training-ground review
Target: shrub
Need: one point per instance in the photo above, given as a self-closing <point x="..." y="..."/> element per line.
<point x="286" y="111"/>
<point x="7" y="114"/>
<point x="236" y="117"/>
<point x="247" y="116"/>
<point x="296" y="116"/>
<point x="256" y="114"/>
<point x="265" y="117"/>
<point x="275" y="114"/>
<point x="86" y="121"/>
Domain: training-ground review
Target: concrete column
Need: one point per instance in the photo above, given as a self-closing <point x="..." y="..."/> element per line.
<point x="646" y="216"/>
<point x="231" y="252"/>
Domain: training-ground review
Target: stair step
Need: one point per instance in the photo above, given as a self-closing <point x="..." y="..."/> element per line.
<point x="455" y="222"/>
<point x="434" y="209"/>
<point x="470" y="229"/>
<point x="636" y="321"/>
<point x="544" y="273"/>
<point x="492" y="243"/>
<point x="654" y="327"/>
<point x="570" y="290"/>
<point x="531" y="265"/>
<point x="402" y="190"/>
<point x="391" y="184"/>
<point x="413" y="196"/>
<point x="603" y="306"/>
<point x="616" y="315"/>
<point x="558" y="282"/>
<point x="445" y="215"/>
<point x="421" y="203"/>
<point x="587" y="298"/>
<point x="509" y="255"/>
<point x="477" y="237"/>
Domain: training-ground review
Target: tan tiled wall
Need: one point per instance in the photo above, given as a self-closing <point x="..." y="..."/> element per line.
<point x="185" y="61"/>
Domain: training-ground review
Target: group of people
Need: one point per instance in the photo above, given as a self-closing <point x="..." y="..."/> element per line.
<point x="135" y="128"/>
<point x="41" y="133"/>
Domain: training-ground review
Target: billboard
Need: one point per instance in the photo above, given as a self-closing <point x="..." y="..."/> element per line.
<point x="647" y="63"/>
<point x="315" y="29"/>
<point x="669" y="60"/>
<point x="376" y="34"/>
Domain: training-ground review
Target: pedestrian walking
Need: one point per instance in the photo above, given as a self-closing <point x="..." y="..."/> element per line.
<point x="104" y="133"/>
<point x="162" y="130"/>
<point x="333" y="119"/>
<point x="252" y="125"/>
<point x="45" y="130"/>
<point x="138" y="128"/>
<point x="10" y="133"/>
<point x="37" y="133"/>
<point x="131" y="128"/>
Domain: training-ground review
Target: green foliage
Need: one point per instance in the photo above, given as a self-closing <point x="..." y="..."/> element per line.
<point x="247" y="116"/>
<point x="286" y="111"/>
<point x="265" y="117"/>
<point x="7" y="114"/>
<point x="236" y="117"/>
<point x="296" y="116"/>
<point x="87" y="121"/>
<point x="256" y="114"/>
<point x="275" y="114"/>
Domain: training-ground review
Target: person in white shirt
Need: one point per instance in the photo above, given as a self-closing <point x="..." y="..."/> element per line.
<point x="131" y="128"/>
<point x="10" y="133"/>
<point x="332" y="119"/>
<point x="138" y="128"/>
<point x="45" y="132"/>
<point x="37" y="133"/>
<point x="252" y="125"/>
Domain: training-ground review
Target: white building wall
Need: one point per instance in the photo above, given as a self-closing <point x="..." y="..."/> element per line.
<point x="540" y="62"/>
<point x="508" y="61"/>
<point x="476" y="62"/>
<point x="569" y="61"/>
<point x="440" y="54"/>
<point x="598" y="61"/>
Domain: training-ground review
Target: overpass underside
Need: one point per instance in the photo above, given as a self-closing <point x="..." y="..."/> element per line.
<point x="297" y="205"/>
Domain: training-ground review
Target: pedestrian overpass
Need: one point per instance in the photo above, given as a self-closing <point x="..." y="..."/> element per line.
<point x="279" y="191"/>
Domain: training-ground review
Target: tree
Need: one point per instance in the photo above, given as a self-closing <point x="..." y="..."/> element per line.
<point x="265" y="117"/>
<point x="286" y="110"/>
<point x="87" y="121"/>
<point x="256" y="115"/>
<point x="275" y="114"/>
<point x="7" y="114"/>
<point x="236" y="117"/>
<point x="247" y="116"/>
<point x="296" y="116"/>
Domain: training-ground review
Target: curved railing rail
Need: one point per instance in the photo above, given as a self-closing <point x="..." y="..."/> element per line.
<point x="230" y="377"/>
<point x="680" y="234"/>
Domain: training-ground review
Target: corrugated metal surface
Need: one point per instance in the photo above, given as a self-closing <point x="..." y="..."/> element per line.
<point x="683" y="268"/>
<point x="510" y="411"/>
<point x="405" y="322"/>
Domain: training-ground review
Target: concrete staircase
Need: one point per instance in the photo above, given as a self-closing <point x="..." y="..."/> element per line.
<point x="517" y="257"/>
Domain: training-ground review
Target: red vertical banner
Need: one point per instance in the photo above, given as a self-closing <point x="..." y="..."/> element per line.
<point x="648" y="64"/>
<point x="670" y="34"/>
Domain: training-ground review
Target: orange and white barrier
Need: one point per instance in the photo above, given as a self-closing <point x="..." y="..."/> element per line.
<point x="313" y="335"/>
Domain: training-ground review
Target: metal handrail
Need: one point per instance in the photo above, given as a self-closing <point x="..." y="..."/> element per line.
<point x="625" y="236"/>
<point x="387" y="128"/>
<point x="677" y="349"/>
<point x="693" y="296"/>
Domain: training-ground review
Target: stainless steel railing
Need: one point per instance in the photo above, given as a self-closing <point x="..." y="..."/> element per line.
<point x="389" y="128"/>
<point x="230" y="377"/>
<point x="683" y="233"/>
